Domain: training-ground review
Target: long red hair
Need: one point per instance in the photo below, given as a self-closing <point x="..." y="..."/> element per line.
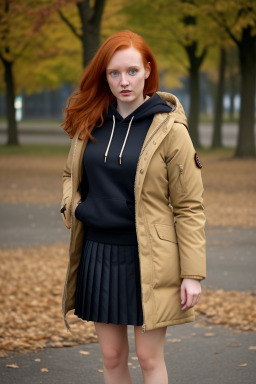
<point x="87" y="106"/>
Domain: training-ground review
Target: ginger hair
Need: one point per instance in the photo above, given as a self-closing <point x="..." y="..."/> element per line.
<point x="87" y="106"/>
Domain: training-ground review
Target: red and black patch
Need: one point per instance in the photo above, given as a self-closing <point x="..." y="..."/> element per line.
<point x="197" y="161"/>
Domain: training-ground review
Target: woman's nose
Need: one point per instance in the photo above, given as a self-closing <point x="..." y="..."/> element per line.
<point x="124" y="80"/>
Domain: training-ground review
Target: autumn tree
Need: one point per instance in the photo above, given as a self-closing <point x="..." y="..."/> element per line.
<point x="90" y="14"/>
<point x="36" y="51"/>
<point x="14" y="40"/>
<point x="86" y="27"/>
<point x="237" y="19"/>
<point x="179" y="35"/>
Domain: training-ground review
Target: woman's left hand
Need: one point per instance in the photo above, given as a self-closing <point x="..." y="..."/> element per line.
<point x="190" y="291"/>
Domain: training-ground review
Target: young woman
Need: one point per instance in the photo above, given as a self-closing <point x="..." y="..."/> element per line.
<point x="132" y="197"/>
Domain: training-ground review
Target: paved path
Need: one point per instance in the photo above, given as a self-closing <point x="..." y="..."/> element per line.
<point x="231" y="262"/>
<point x="207" y="355"/>
<point x="196" y="359"/>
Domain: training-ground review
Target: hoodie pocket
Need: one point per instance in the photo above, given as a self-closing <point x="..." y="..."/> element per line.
<point x="106" y="212"/>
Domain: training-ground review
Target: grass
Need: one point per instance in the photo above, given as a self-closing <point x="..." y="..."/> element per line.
<point x="34" y="121"/>
<point x="35" y="149"/>
<point x="48" y="149"/>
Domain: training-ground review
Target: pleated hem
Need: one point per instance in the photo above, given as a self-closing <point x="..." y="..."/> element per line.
<point x="108" y="284"/>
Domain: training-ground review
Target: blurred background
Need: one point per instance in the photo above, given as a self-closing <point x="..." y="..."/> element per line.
<point x="206" y="52"/>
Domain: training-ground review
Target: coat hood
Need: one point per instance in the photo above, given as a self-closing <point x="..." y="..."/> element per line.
<point x="149" y="108"/>
<point x="177" y="109"/>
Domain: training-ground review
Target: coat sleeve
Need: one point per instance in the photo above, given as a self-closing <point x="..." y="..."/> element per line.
<point x="67" y="187"/>
<point x="186" y="197"/>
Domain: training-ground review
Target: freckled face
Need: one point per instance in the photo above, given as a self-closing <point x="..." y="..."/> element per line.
<point x="126" y="76"/>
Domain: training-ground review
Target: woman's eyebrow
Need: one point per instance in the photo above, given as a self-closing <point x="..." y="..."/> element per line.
<point x="130" y="66"/>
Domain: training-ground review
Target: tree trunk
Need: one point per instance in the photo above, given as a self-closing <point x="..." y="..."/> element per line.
<point x="194" y="90"/>
<point x="10" y="108"/>
<point x="247" y="56"/>
<point x="91" y="42"/>
<point x="194" y="106"/>
<point x="216" y="141"/>
<point x="91" y="22"/>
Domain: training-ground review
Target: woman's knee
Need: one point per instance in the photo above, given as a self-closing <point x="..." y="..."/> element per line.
<point x="150" y="348"/>
<point x="113" y="344"/>
<point x="147" y="359"/>
<point x="114" y="357"/>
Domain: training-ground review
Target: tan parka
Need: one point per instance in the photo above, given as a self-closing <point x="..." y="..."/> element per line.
<point x="169" y="217"/>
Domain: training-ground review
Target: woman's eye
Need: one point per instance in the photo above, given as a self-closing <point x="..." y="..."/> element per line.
<point x="113" y="73"/>
<point x="133" y="71"/>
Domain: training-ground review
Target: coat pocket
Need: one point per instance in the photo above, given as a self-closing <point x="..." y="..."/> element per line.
<point x="166" y="232"/>
<point x="65" y="213"/>
<point x="165" y="257"/>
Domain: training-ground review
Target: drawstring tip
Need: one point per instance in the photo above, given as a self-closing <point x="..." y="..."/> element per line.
<point x="105" y="159"/>
<point x="120" y="160"/>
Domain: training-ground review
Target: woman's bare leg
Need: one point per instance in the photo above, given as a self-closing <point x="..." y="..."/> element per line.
<point x="114" y="347"/>
<point x="150" y="352"/>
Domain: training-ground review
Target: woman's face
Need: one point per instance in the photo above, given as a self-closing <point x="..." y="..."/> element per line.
<point x="126" y="76"/>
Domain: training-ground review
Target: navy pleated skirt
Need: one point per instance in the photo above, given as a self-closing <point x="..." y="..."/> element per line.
<point x="108" y="284"/>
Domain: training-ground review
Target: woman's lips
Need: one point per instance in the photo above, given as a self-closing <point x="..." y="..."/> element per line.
<point x="125" y="92"/>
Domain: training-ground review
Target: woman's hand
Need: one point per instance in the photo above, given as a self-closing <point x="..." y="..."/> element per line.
<point x="190" y="291"/>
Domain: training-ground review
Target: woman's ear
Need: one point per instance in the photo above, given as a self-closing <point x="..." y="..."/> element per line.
<point x="147" y="70"/>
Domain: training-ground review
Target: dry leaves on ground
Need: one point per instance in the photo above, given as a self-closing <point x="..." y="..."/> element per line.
<point x="230" y="185"/>
<point x="32" y="281"/>
<point x="31" y="291"/>
<point x="231" y="309"/>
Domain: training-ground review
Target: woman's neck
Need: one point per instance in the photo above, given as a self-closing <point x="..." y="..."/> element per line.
<point x="125" y="109"/>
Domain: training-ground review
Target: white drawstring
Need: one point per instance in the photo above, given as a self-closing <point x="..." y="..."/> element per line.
<point x="127" y="133"/>
<point x="111" y="136"/>
<point x="106" y="153"/>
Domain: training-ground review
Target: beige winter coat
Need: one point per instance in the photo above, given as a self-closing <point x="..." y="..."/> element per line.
<point x="169" y="217"/>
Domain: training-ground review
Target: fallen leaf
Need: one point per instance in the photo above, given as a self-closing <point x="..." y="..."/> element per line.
<point x="37" y="360"/>
<point x="100" y="370"/>
<point x="173" y="340"/>
<point x="243" y="365"/>
<point x="85" y="352"/>
<point x="134" y="358"/>
<point x="252" y="347"/>
<point x="209" y="334"/>
<point x="234" y="345"/>
<point x="44" y="370"/>
<point x="12" y="366"/>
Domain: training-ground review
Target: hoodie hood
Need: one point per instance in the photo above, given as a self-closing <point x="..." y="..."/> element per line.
<point x="161" y="102"/>
<point x="145" y="112"/>
<point x="147" y="109"/>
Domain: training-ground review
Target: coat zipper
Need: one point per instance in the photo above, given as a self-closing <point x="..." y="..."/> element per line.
<point x="181" y="178"/>
<point x="143" y="149"/>
<point x="153" y="134"/>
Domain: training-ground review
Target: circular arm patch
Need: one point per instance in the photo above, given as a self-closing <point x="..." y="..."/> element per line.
<point x="197" y="161"/>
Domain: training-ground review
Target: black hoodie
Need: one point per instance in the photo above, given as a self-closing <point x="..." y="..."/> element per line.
<point x="108" y="209"/>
